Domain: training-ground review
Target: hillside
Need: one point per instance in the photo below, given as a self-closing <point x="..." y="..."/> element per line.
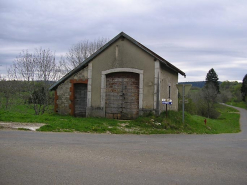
<point x="199" y="84"/>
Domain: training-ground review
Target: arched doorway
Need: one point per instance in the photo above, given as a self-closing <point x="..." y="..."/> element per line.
<point x="122" y="95"/>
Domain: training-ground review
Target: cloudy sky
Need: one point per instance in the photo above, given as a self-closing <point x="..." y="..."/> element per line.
<point x="193" y="35"/>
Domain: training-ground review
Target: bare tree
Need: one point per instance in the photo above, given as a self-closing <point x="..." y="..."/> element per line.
<point x="23" y="67"/>
<point x="45" y="63"/>
<point x="46" y="71"/>
<point x="79" y="52"/>
<point x="37" y="70"/>
<point x="38" y="66"/>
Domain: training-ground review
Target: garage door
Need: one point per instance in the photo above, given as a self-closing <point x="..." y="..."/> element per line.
<point x="122" y="95"/>
<point x="80" y="99"/>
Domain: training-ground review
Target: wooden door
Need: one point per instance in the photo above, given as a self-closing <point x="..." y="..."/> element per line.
<point x="122" y="95"/>
<point x="80" y="99"/>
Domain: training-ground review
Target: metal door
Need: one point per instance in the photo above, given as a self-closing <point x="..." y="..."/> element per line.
<point x="80" y="99"/>
<point x="122" y="95"/>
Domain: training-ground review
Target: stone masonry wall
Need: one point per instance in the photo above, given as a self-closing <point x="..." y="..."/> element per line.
<point x="63" y="92"/>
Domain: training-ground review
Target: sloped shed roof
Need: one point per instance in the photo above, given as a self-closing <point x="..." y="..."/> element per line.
<point x="120" y="35"/>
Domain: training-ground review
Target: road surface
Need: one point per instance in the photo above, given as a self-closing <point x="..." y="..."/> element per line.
<point x="75" y="158"/>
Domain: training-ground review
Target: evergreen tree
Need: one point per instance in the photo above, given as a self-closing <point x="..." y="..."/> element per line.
<point x="212" y="78"/>
<point x="244" y="87"/>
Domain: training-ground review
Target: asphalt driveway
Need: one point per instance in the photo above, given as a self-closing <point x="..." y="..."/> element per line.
<point x="73" y="158"/>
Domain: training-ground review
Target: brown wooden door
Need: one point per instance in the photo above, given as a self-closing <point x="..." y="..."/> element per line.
<point x="80" y="99"/>
<point x="122" y="95"/>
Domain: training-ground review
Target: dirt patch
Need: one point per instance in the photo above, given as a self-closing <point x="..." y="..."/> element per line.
<point x="16" y="126"/>
<point x="123" y="124"/>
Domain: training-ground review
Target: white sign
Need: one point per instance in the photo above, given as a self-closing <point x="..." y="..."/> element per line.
<point x="167" y="101"/>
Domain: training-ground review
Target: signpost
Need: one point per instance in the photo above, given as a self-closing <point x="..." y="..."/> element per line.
<point x="167" y="102"/>
<point x="183" y="89"/>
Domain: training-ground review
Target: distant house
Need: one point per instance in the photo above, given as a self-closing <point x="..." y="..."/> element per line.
<point x="121" y="80"/>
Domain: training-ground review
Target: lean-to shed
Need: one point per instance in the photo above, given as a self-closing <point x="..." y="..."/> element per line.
<point x="121" y="80"/>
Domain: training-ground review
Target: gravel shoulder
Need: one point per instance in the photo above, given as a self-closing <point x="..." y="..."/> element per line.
<point x="16" y="126"/>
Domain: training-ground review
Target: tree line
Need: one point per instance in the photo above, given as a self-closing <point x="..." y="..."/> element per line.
<point x="203" y="101"/>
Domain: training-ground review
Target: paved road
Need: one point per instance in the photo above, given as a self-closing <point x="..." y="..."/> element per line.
<point x="69" y="158"/>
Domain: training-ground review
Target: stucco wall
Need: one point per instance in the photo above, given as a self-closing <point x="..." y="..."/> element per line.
<point x="63" y="92"/>
<point x="168" y="78"/>
<point x="155" y="79"/>
<point x="124" y="54"/>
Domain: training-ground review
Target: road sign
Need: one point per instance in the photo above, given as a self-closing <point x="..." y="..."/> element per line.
<point x="167" y="101"/>
<point x="186" y="88"/>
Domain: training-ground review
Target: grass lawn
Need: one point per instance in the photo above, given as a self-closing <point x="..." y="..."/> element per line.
<point x="228" y="122"/>
<point x="238" y="104"/>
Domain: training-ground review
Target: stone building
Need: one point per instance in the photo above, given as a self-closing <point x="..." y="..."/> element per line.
<point x="121" y="80"/>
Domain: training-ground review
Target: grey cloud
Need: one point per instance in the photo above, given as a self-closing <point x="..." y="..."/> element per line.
<point x="193" y="35"/>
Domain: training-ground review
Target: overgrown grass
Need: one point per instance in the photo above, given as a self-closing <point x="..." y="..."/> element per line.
<point x="228" y="122"/>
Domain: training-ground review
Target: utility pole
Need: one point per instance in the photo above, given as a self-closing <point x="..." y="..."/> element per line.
<point x="183" y="89"/>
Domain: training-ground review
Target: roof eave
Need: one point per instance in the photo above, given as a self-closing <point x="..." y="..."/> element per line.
<point x="168" y="64"/>
<point x="122" y="34"/>
<point x="84" y="63"/>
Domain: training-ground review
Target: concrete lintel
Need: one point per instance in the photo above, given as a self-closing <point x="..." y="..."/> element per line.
<point x="122" y="70"/>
